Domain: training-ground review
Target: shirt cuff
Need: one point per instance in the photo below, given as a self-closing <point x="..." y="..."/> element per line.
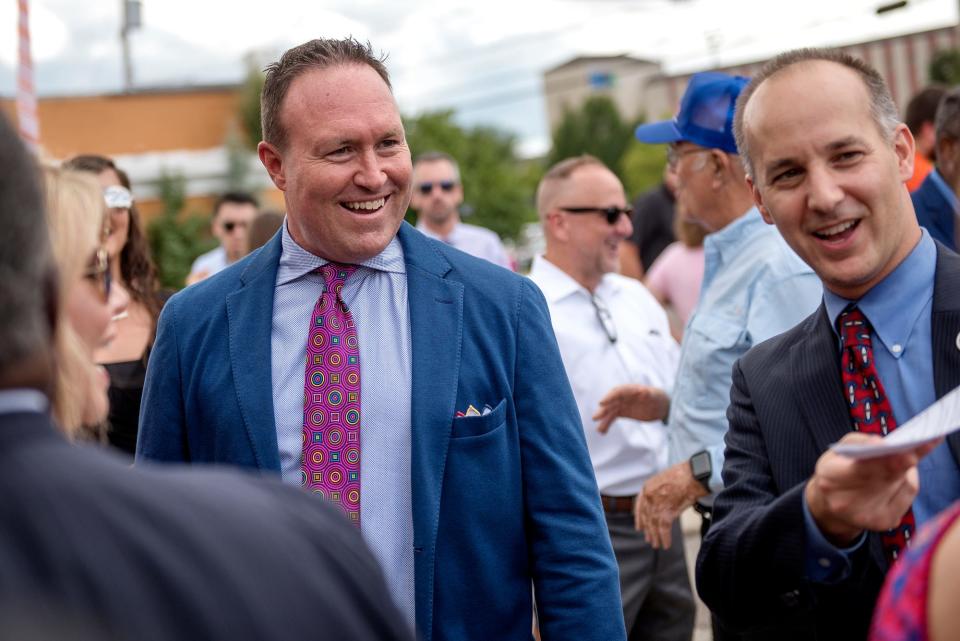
<point x="826" y="563"/>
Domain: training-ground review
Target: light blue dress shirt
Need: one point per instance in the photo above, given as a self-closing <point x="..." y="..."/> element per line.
<point x="899" y="309"/>
<point x="376" y="294"/>
<point x="21" y="400"/>
<point x="754" y="287"/>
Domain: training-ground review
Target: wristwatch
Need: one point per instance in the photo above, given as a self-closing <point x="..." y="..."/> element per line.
<point x="702" y="468"/>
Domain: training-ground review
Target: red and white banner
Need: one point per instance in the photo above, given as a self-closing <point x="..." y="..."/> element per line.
<point x="26" y="93"/>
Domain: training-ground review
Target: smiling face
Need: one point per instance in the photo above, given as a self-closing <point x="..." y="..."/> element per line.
<point x="828" y="178"/>
<point x="441" y="203"/>
<point x="231" y="226"/>
<point x="587" y="245"/>
<point x="345" y="169"/>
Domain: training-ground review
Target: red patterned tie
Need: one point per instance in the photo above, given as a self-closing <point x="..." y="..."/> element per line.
<point x="331" y="398"/>
<point x="870" y="408"/>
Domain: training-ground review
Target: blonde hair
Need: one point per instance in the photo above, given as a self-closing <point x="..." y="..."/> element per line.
<point x="75" y="220"/>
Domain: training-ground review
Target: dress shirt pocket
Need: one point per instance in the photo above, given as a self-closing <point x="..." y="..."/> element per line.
<point x="474" y="426"/>
<point x="720" y="331"/>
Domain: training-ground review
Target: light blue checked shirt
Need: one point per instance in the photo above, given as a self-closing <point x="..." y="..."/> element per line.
<point x="376" y="294"/>
<point x="754" y="287"/>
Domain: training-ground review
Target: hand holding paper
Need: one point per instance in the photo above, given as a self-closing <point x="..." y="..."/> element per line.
<point x="938" y="420"/>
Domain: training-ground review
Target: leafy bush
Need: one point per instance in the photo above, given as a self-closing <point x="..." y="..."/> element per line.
<point x="176" y="241"/>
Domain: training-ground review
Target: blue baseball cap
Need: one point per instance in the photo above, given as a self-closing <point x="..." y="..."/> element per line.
<point x="706" y="114"/>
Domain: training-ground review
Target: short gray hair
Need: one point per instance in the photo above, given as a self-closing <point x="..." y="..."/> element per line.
<point x="882" y="108"/>
<point x="26" y="265"/>
<point x="438" y="156"/>
<point x="558" y="173"/>
<point x="947" y="121"/>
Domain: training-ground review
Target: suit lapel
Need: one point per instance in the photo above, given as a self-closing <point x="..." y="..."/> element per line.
<point x="249" y="318"/>
<point x="945" y="331"/>
<point x="436" y="329"/>
<point x="818" y="385"/>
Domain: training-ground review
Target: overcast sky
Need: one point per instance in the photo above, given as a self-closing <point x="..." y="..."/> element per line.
<point x="483" y="59"/>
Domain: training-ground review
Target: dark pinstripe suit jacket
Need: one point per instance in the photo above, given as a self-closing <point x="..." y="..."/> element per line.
<point x="786" y="408"/>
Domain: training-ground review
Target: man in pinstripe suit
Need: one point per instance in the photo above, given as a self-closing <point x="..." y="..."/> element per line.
<point x="796" y="551"/>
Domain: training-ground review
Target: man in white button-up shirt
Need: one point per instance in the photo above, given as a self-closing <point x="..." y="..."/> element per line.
<point x="612" y="331"/>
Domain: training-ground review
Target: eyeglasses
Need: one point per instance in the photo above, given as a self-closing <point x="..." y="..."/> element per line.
<point x="445" y="185"/>
<point x="230" y="225"/>
<point x="612" y="214"/>
<point x="674" y="154"/>
<point x="605" y="318"/>
<point x="98" y="272"/>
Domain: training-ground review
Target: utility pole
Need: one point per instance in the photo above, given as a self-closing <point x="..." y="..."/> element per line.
<point x="131" y="20"/>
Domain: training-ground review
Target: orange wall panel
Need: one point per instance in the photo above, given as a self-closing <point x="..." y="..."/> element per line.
<point x="135" y="123"/>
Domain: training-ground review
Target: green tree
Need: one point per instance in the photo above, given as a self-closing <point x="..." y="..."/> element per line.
<point x="498" y="187"/>
<point x="642" y="167"/>
<point x="248" y="106"/>
<point x="945" y="67"/>
<point x="174" y="241"/>
<point x="596" y="129"/>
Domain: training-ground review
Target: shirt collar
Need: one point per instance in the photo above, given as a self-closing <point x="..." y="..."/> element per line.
<point x="893" y="305"/>
<point x="945" y="190"/>
<point x="449" y="238"/>
<point x="728" y="242"/>
<point x="557" y="284"/>
<point x="19" y="400"/>
<point x="295" y="261"/>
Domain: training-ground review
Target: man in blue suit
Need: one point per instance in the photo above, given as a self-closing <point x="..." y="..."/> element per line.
<point x="936" y="200"/>
<point x="474" y="479"/>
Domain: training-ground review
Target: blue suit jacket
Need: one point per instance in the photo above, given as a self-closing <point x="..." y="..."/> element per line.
<point x="498" y="501"/>
<point x="934" y="212"/>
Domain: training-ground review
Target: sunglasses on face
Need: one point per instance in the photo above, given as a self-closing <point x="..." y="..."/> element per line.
<point x="230" y="225"/>
<point x="98" y="272"/>
<point x="612" y="214"/>
<point x="445" y="185"/>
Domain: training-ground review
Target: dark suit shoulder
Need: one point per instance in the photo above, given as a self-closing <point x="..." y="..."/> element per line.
<point x="761" y="356"/>
<point x="159" y="552"/>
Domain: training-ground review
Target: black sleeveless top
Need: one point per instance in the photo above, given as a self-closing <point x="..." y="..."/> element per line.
<point x="126" y="389"/>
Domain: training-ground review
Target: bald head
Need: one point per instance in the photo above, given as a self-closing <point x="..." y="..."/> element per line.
<point x="556" y="182"/>
<point x="883" y="110"/>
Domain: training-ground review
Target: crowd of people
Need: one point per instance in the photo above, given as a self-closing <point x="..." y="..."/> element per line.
<point x="439" y="448"/>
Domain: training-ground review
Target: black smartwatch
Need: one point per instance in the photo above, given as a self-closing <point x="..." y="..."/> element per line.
<point x="702" y="468"/>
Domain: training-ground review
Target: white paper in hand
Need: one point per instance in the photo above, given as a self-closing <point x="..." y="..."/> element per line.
<point x="940" y="419"/>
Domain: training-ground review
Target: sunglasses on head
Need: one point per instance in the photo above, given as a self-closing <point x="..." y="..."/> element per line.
<point x="612" y="214"/>
<point x="98" y="272"/>
<point x="445" y="185"/>
<point x="118" y="197"/>
<point x="230" y="225"/>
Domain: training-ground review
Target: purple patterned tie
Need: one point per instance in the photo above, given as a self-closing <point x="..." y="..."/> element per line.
<point x="331" y="398"/>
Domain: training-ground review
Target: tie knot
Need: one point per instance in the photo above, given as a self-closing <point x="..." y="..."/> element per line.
<point x="335" y="275"/>
<point x="854" y="328"/>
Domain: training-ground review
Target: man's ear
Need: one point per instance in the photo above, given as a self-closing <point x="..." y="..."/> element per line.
<point x="904" y="146"/>
<point x="758" y="201"/>
<point x="555" y="225"/>
<point x="719" y="167"/>
<point x="272" y="161"/>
